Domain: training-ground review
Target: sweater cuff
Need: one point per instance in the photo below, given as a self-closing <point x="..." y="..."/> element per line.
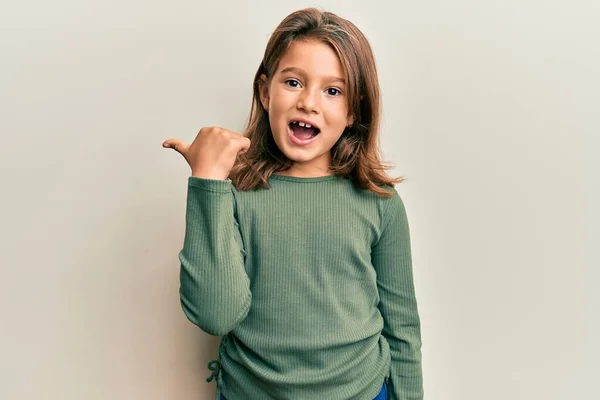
<point x="210" y="185"/>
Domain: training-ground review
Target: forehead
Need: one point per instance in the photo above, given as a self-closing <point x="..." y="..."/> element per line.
<point x="313" y="58"/>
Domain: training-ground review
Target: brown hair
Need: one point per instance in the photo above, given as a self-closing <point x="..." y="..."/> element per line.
<point x="356" y="153"/>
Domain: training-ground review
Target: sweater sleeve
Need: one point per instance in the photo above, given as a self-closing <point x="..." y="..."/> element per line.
<point x="214" y="287"/>
<point x="391" y="258"/>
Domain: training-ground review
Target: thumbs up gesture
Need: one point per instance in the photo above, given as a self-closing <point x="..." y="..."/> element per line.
<point x="212" y="153"/>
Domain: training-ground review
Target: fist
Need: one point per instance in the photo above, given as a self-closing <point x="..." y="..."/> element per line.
<point x="213" y="152"/>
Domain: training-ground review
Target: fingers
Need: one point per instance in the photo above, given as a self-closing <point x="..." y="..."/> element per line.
<point x="176" y="145"/>
<point x="244" y="143"/>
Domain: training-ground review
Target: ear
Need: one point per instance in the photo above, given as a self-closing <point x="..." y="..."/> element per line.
<point x="350" y="120"/>
<point x="263" y="89"/>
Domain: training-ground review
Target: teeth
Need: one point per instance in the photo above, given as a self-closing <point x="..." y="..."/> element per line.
<point x="303" y="124"/>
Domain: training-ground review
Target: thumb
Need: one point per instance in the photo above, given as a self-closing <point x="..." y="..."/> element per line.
<point x="177" y="145"/>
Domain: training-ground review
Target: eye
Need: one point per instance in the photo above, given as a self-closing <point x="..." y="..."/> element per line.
<point x="295" y="84"/>
<point x="292" y="80"/>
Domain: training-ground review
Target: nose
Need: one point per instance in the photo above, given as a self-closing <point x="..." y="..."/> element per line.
<point x="310" y="100"/>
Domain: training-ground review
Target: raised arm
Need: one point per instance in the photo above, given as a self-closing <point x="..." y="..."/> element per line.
<point x="215" y="289"/>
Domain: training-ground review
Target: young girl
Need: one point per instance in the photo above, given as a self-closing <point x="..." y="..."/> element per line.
<point x="297" y="247"/>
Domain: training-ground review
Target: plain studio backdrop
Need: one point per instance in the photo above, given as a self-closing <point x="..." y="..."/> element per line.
<point x="490" y="110"/>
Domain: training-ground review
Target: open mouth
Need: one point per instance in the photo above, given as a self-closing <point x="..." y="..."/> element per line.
<point x="303" y="131"/>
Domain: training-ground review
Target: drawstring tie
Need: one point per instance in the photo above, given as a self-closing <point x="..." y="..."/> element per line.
<point x="217" y="370"/>
<point x="215" y="366"/>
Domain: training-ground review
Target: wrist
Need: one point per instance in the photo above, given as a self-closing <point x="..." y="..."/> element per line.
<point x="209" y="175"/>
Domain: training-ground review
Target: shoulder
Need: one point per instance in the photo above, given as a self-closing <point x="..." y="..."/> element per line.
<point x="392" y="208"/>
<point x="393" y="197"/>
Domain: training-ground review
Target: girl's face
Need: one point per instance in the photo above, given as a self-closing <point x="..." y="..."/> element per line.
<point x="308" y="86"/>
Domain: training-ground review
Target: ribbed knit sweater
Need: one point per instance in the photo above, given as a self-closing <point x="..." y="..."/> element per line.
<point x="310" y="285"/>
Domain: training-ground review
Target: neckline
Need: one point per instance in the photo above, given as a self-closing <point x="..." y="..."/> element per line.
<point x="304" y="179"/>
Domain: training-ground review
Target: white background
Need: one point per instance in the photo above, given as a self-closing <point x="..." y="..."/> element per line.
<point x="490" y="112"/>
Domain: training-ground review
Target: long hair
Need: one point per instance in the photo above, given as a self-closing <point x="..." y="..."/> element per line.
<point x="356" y="155"/>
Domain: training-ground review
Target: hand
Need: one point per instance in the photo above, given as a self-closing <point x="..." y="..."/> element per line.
<point x="212" y="153"/>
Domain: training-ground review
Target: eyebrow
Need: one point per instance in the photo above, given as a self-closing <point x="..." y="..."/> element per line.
<point x="300" y="71"/>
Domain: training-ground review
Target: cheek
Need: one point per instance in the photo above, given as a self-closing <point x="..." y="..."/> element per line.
<point x="281" y="108"/>
<point x="280" y="99"/>
<point x="338" y="115"/>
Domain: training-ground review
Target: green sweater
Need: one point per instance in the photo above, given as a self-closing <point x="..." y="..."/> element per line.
<point x="310" y="285"/>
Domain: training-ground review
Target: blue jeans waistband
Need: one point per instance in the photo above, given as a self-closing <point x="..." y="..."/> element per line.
<point x="381" y="396"/>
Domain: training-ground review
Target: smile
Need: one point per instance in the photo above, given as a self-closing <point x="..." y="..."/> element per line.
<point x="301" y="135"/>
